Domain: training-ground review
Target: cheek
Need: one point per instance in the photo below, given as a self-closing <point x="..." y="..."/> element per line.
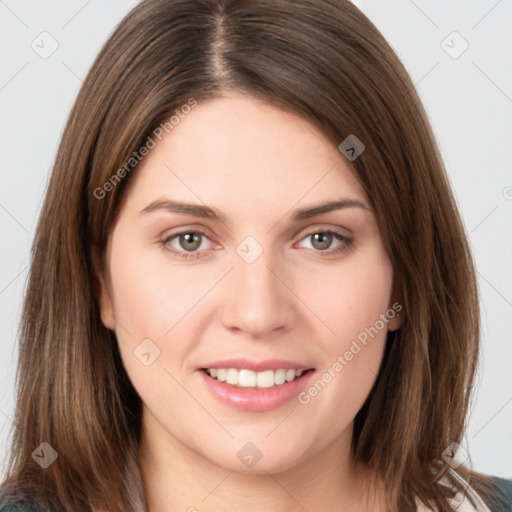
<point x="151" y="295"/>
<point x="151" y="305"/>
<point x="355" y="305"/>
<point x="352" y="300"/>
<point x="150" y="300"/>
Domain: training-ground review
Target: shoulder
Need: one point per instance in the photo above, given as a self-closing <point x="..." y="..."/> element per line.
<point x="16" y="507"/>
<point x="17" y="504"/>
<point x="502" y="499"/>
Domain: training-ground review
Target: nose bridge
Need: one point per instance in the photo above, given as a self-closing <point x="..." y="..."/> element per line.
<point x="258" y="302"/>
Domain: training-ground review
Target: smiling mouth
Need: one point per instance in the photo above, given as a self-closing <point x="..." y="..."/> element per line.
<point x="256" y="380"/>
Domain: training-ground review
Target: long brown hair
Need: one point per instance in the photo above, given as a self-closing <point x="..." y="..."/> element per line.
<point x="325" y="61"/>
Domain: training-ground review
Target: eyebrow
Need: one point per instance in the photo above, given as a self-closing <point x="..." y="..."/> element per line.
<point x="312" y="211"/>
<point x="207" y="212"/>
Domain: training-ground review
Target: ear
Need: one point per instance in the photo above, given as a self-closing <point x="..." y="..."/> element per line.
<point x="396" y="311"/>
<point x="101" y="291"/>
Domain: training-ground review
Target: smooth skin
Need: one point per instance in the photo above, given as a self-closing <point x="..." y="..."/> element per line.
<point x="304" y="299"/>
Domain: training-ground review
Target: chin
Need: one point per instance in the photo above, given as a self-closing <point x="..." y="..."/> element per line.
<point x="253" y="458"/>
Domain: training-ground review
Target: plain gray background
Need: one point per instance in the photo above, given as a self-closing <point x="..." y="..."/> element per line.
<point x="468" y="97"/>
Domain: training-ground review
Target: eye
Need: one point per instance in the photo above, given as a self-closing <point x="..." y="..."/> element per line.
<point x="186" y="244"/>
<point x="322" y="241"/>
<point x="189" y="244"/>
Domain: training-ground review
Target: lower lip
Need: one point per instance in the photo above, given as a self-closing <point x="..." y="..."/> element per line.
<point x="253" y="399"/>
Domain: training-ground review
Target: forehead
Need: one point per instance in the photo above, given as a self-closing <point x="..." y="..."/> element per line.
<point x="244" y="155"/>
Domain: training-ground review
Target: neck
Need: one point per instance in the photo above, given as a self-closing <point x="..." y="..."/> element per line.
<point x="175" y="477"/>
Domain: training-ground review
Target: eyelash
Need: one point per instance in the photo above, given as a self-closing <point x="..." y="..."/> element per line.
<point x="346" y="243"/>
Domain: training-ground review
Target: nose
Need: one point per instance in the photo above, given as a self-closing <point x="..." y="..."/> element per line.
<point x="257" y="301"/>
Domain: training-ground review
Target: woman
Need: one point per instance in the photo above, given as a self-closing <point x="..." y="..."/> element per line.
<point x="250" y="285"/>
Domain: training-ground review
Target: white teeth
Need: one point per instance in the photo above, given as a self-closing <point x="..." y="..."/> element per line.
<point x="232" y="376"/>
<point x="290" y="375"/>
<point x="246" y="378"/>
<point x="249" y="379"/>
<point x="280" y="377"/>
<point x="265" y="379"/>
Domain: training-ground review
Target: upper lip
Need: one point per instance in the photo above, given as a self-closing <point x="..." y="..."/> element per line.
<point x="257" y="366"/>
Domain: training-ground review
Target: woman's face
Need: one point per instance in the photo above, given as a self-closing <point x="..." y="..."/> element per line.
<point x="226" y="262"/>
